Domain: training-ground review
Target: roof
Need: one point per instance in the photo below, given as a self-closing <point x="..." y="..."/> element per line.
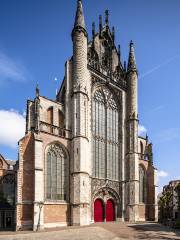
<point x="11" y="162"/>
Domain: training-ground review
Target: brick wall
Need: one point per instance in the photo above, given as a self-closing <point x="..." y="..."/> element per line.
<point x="25" y="182"/>
<point x="54" y="213"/>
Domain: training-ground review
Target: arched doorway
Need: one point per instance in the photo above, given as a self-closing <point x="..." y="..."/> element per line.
<point x="98" y="211"/>
<point x="110" y="211"/>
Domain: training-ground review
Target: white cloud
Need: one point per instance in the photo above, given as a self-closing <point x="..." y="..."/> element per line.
<point x="12" y="70"/>
<point x="12" y="127"/>
<point x="142" y="130"/>
<point x="162" y="173"/>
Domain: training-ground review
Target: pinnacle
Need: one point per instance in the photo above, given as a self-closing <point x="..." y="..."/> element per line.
<point x="79" y="20"/>
<point x="132" y="60"/>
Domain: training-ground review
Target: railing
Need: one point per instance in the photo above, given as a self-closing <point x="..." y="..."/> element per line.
<point x="113" y="77"/>
<point x="54" y="130"/>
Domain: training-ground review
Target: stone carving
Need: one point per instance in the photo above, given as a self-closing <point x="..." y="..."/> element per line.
<point x="8" y="179"/>
<point x="105" y="189"/>
<point x="57" y="150"/>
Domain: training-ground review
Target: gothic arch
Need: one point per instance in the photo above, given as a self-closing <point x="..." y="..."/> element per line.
<point x="142" y="183"/>
<point x="56" y="173"/>
<point x="141" y="147"/>
<point x="93" y="58"/>
<point x="60" y="145"/>
<point x="106" y="193"/>
<point x="101" y="86"/>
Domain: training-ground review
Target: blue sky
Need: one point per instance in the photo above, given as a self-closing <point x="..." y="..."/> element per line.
<point x="35" y="42"/>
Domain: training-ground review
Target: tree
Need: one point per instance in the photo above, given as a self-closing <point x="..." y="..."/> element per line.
<point x="165" y="203"/>
<point x="177" y="190"/>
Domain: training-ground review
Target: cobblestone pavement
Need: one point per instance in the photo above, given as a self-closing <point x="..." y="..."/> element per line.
<point x="103" y="231"/>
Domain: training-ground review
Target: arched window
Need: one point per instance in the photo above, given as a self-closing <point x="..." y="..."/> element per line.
<point x="142" y="184"/>
<point x="56" y="173"/>
<point x="93" y="58"/>
<point x="7" y="189"/>
<point x="50" y="118"/>
<point x="61" y="119"/>
<point x="105" y="135"/>
<point x="141" y="147"/>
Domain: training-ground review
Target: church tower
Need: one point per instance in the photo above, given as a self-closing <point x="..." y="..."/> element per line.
<point x="80" y="182"/>
<point x="81" y="159"/>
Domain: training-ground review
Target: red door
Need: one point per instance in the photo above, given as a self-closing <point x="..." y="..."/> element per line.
<point x="110" y="211"/>
<point x="98" y="211"/>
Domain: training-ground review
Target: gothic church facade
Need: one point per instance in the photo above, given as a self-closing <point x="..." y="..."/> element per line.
<point x="81" y="160"/>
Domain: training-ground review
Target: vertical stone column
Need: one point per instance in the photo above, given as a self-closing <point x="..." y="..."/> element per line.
<point x="123" y="155"/>
<point x="132" y="159"/>
<point x="38" y="184"/>
<point x="68" y="109"/>
<point x="155" y="196"/>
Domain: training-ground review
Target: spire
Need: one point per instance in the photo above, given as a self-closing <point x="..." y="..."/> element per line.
<point x="113" y="33"/>
<point x="119" y="53"/>
<point x="100" y="24"/>
<point x="79" y="20"/>
<point x="132" y="60"/>
<point x="125" y="66"/>
<point x="37" y="90"/>
<point x="107" y="17"/>
<point x="93" y="29"/>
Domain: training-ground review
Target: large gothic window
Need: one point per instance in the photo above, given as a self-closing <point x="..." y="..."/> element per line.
<point x="142" y="184"/>
<point x="56" y="173"/>
<point x="7" y="190"/>
<point x="105" y="121"/>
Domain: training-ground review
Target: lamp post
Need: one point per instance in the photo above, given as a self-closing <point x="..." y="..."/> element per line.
<point x="40" y="204"/>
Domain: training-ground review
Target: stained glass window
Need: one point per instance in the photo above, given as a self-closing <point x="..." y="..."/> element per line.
<point x="56" y="173"/>
<point x="142" y="184"/>
<point x="105" y="122"/>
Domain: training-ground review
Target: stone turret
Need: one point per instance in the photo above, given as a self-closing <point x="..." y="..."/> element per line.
<point x="79" y="37"/>
<point x="80" y="186"/>
<point x="132" y="83"/>
<point x="132" y="165"/>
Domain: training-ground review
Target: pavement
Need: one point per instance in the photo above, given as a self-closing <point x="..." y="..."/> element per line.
<point x="99" y="231"/>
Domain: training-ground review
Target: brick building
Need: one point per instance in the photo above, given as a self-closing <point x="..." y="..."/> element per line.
<point x="168" y="202"/>
<point x="7" y="194"/>
<point x="81" y="159"/>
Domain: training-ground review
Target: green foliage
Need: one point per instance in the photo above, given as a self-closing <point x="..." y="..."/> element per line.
<point x="165" y="204"/>
<point x="177" y="190"/>
<point x="177" y="225"/>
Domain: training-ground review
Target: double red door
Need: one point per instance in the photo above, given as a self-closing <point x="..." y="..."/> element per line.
<point x="100" y="213"/>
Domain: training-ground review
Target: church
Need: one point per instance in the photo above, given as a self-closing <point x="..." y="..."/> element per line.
<point x="81" y="160"/>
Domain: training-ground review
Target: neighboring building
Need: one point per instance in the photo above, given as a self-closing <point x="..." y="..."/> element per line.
<point x="168" y="208"/>
<point x="81" y="159"/>
<point x="7" y="194"/>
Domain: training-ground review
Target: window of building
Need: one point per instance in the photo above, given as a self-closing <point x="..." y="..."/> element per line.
<point x="56" y="173"/>
<point x="61" y="119"/>
<point x="141" y="147"/>
<point x="7" y="189"/>
<point x="142" y="184"/>
<point x="105" y="122"/>
<point x="50" y="119"/>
